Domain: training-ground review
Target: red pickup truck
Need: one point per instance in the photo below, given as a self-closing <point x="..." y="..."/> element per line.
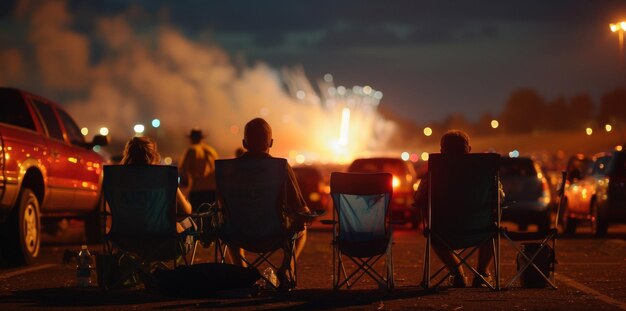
<point x="46" y="170"/>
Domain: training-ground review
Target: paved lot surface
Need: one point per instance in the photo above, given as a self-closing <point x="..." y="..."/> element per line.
<point x="591" y="275"/>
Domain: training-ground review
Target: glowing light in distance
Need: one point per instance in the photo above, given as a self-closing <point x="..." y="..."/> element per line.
<point x="156" y="123"/>
<point x="589" y="131"/>
<point x="84" y="131"/>
<point x="341" y="90"/>
<point x="328" y="77"/>
<point x="428" y="131"/>
<point x="234" y="129"/>
<point x="367" y="90"/>
<point x="608" y="127"/>
<point x="405" y="156"/>
<point x="300" y="94"/>
<point x="104" y="131"/>
<point x="614" y="27"/>
<point x="378" y="95"/>
<point x="414" y="157"/>
<point x="345" y="126"/>
<point x="618" y="148"/>
<point x="623" y="25"/>
<point x="424" y="156"/>
<point x="293" y="153"/>
<point x="300" y="159"/>
<point x="167" y="161"/>
<point x="96" y="148"/>
<point x="495" y="124"/>
<point x="395" y="182"/>
<point x="139" y="128"/>
<point x="514" y="154"/>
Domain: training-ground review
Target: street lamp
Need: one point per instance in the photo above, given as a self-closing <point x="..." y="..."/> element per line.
<point x="620" y="28"/>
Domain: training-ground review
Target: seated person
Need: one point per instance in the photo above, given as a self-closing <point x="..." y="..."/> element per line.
<point x="456" y="142"/>
<point x="257" y="141"/>
<point x="142" y="151"/>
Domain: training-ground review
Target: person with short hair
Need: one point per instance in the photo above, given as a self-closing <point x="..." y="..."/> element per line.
<point x="456" y="142"/>
<point x="197" y="170"/>
<point x="257" y="141"/>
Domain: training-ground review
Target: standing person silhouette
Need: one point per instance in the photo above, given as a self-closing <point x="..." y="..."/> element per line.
<point x="257" y="141"/>
<point x="197" y="170"/>
<point x="456" y="142"/>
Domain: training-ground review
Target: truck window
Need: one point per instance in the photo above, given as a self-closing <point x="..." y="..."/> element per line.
<point x="73" y="133"/>
<point x="13" y="109"/>
<point x="49" y="119"/>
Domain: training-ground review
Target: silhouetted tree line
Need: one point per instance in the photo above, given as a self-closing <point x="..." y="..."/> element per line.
<point x="526" y="111"/>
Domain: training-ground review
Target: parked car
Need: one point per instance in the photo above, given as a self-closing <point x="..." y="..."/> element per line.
<point x="404" y="179"/>
<point x="598" y="197"/>
<point x="528" y="196"/>
<point x="46" y="170"/>
<point x="313" y="187"/>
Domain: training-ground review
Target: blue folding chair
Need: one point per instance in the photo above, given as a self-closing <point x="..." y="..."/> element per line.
<point x="361" y="230"/>
<point x="142" y="202"/>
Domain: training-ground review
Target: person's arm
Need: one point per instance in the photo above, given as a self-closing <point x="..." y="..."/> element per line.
<point x="182" y="205"/>
<point x="184" y="167"/>
<point x="295" y="203"/>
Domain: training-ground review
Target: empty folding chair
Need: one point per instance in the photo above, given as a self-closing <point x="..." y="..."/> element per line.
<point x="143" y="235"/>
<point x="361" y="230"/>
<point x="463" y="212"/>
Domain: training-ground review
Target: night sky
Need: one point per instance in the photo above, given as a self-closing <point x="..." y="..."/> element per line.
<point x="429" y="58"/>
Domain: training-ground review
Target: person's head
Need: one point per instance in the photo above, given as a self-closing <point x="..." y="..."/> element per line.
<point x="455" y="142"/>
<point x="140" y="150"/>
<point x="257" y="136"/>
<point x="195" y="136"/>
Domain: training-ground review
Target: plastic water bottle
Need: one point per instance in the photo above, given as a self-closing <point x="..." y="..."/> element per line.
<point x="270" y="275"/>
<point x="83" y="268"/>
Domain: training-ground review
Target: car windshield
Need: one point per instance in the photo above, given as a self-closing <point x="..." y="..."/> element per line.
<point x="517" y="167"/>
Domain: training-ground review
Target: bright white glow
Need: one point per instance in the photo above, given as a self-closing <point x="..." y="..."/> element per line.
<point x="495" y="124"/>
<point x="300" y="159"/>
<point x="104" y="131"/>
<point x="139" y="128"/>
<point x="424" y="156"/>
<point x="367" y="90"/>
<point x="623" y="25"/>
<point x="405" y="156"/>
<point x="300" y="94"/>
<point x="156" y="123"/>
<point x="84" y="131"/>
<point x="345" y="126"/>
<point x="589" y="131"/>
<point x="514" y="154"/>
<point x="428" y="131"/>
<point x="614" y="27"/>
<point x="328" y="77"/>
<point x="608" y="127"/>
<point x="395" y="182"/>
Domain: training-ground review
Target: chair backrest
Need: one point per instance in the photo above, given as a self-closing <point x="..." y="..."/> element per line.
<point x="251" y="195"/>
<point x="464" y="197"/>
<point x="361" y="202"/>
<point x="142" y="199"/>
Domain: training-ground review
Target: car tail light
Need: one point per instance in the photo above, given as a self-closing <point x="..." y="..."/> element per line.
<point x="396" y="182"/>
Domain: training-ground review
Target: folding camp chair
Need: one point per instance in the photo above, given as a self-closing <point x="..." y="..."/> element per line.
<point x="361" y="230"/>
<point x="536" y="251"/>
<point x="463" y="211"/>
<point x="142" y="202"/>
<point x="250" y="195"/>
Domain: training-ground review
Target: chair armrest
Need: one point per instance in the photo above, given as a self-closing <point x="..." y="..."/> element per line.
<point x="328" y="222"/>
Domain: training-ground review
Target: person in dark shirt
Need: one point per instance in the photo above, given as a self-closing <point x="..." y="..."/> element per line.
<point x="257" y="141"/>
<point x="456" y="142"/>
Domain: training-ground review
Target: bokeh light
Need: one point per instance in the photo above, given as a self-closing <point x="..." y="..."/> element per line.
<point x="405" y="156"/>
<point x="424" y="156"/>
<point x="104" y="131"/>
<point x="167" y="161"/>
<point x="495" y="124"/>
<point x="156" y="123"/>
<point x="84" y="131"/>
<point x="514" y="154"/>
<point x="608" y="127"/>
<point x="428" y="131"/>
<point x="589" y="131"/>
<point x="139" y="128"/>
<point x="414" y="157"/>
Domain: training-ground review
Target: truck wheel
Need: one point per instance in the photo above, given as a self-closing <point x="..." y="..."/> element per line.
<point x="599" y="223"/>
<point x="22" y="231"/>
<point x="93" y="223"/>
<point x="569" y="224"/>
